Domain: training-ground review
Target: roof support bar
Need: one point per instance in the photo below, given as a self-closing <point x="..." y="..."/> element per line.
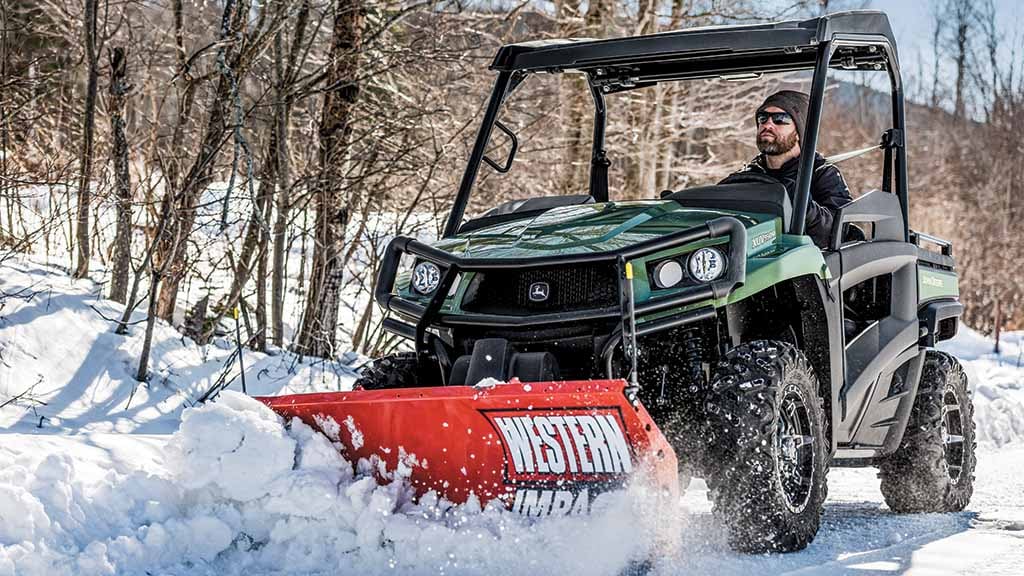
<point x="501" y="88"/>
<point x="899" y="122"/>
<point x="809" y="140"/>
<point x="895" y="162"/>
<point x="599" y="156"/>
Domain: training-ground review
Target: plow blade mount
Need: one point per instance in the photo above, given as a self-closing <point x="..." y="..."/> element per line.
<point x="541" y="448"/>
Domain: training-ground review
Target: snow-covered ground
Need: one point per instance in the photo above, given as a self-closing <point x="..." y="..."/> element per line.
<point x="57" y="347"/>
<point x="99" y="475"/>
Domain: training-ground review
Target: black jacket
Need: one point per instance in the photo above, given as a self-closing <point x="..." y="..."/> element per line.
<point x="828" y="191"/>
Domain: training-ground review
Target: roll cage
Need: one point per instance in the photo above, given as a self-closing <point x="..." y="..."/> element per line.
<point x="854" y="40"/>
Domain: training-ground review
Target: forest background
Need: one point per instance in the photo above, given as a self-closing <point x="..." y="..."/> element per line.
<point x="198" y="157"/>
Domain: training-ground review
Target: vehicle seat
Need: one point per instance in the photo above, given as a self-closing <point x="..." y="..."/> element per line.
<point x="765" y="197"/>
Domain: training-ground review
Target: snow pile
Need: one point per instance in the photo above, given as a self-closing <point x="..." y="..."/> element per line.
<point x="240" y="492"/>
<point x="998" y="382"/>
<point x="60" y="356"/>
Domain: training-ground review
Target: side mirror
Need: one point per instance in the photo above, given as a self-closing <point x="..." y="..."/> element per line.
<point x="513" y="147"/>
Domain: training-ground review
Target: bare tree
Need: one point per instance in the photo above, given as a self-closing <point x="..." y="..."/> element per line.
<point x="578" y="106"/>
<point x="937" y="30"/>
<point x="284" y="99"/>
<point x="961" y="14"/>
<point x="231" y="91"/>
<point x="4" y="123"/>
<point x="85" y="160"/>
<point x="320" y="319"/>
<point x="237" y="46"/>
<point x="122" y="258"/>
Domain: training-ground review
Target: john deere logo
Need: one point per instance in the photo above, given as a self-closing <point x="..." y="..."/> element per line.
<point x="539" y="291"/>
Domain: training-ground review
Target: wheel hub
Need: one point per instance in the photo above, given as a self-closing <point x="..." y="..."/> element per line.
<point x="795" y="450"/>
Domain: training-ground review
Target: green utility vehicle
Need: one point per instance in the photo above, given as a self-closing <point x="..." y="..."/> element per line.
<point x="764" y="359"/>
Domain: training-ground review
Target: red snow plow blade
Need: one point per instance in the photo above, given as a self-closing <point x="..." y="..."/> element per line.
<point x="537" y="447"/>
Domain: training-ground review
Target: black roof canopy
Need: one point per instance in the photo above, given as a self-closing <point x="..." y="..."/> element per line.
<point x="715" y="50"/>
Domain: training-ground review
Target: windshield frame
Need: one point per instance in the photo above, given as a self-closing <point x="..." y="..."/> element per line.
<point x="600" y="82"/>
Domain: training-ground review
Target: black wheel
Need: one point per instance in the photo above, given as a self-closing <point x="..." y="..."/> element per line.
<point x="395" y="371"/>
<point x="933" y="468"/>
<point x="769" y="453"/>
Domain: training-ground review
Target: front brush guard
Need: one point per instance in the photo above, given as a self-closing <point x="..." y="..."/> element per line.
<point x="429" y="315"/>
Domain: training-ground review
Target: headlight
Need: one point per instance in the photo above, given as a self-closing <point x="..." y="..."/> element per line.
<point x="668" y="273"/>
<point x="707" y="264"/>
<point x="425" y="277"/>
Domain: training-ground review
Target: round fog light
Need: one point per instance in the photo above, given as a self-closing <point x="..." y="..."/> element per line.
<point x="707" y="264"/>
<point x="425" y="277"/>
<point x="668" y="273"/>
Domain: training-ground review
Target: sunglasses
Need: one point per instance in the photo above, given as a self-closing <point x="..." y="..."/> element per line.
<point x="777" y="118"/>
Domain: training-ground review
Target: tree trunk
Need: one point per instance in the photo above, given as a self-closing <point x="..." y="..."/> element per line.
<point x="85" y="159"/>
<point x="571" y="94"/>
<point x="280" y="244"/>
<point x="962" y="14"/>
<point x="4" y="123"/>
<point x="156" y="272"/>
<point x="649" y="103"/>
<point x="264" y="211"/>
<point x="281" y="117"/>
<point x="261" y="277"/>
<point x="937" y="30"/>
<point x="320" y="320"/>
<point x="122" y="179"/>
<point x="579" y="107"/>
<point x="302" y="250"/>
<point x="998" y="314"/>
<point x="142" y="375"/>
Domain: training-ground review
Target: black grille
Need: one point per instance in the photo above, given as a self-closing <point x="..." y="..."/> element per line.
<point x="571" y="287"/>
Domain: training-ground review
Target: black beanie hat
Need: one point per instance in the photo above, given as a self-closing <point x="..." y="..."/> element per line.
<point x="794" y="103"/>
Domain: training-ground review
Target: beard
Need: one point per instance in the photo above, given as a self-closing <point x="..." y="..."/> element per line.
<point x="776" y="146"/>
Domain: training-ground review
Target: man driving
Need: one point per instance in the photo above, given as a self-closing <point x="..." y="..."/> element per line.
<point x="780" y="126"/>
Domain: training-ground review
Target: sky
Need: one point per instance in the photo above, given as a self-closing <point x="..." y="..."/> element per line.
<point x="912" y="22"/>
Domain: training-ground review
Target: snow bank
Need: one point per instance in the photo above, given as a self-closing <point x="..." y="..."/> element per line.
<point x="241" y="491"/>
<point x="59" y="353"/>
<point x="998" y="382"/>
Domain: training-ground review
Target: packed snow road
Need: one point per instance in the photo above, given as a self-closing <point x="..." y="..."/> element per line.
<point x="859" y="535"/>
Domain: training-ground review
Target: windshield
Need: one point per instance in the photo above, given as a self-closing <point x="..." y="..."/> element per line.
<point x="665" y="137"/>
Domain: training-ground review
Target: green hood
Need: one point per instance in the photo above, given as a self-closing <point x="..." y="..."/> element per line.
<point x="585" y="228"/>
